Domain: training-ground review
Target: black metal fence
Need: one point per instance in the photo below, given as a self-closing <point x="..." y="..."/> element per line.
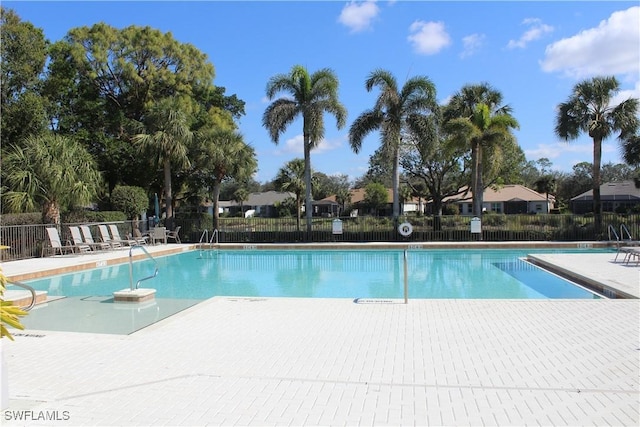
<point x="28" y="241"/>
<point x="446" y="228"/>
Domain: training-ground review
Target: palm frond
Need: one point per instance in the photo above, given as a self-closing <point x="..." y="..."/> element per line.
<point x="624" y="118"/>
<point x="383" y="79"/>
<point x="278" y="116"/>
<point x="364" y="124"/>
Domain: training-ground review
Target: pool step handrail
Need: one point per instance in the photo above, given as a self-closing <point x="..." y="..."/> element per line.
<point x="612" y="230"/>
<point x="27" y="287"/>
<point x="155" y="272"/>
<point x="204" y="237"/>
<point x="214" y="235"/>
<point x="624" y="233"/>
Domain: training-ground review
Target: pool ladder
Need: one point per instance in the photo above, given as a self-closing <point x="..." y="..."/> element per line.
<point x="30" y="289"/>
<point x="204" y="237"/>
<point x="624" y="236"/>
<point x="155" y="272"/>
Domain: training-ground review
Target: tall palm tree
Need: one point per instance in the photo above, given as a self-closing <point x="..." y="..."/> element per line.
<point x="476" y="118"/>
<point x="291" y="177"/>
<point x="589" y="109"/>
<point x="393" y="113"/>
<point x="222" y="154"/>
<point x="166" y="142"/>
<point x="50" y="172"/>
<point x="312" y="95"/>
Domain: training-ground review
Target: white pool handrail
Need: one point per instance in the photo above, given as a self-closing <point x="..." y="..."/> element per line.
<point x="155" y="273"/>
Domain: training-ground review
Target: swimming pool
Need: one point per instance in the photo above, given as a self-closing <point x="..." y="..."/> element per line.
<point x="327" y="274"/>
<point x="185" y="279"/>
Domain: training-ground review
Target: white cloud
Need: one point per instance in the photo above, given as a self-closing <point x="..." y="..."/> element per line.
<point x="295" y="146"/>
<point x="359" y="16"/>
<point x="471" y="44"/>
<point x="613" y="47"/>
<point x="554" y="151"/>
<point x="568" y="153"/>
<point x="623" y="95"/>
<point x="428" y="38"/>
<point x="536" y="30"/>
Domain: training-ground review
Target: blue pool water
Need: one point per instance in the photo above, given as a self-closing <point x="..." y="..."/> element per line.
<point x="199" y="275"/>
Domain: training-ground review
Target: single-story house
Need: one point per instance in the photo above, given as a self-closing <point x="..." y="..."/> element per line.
<point x="329" y="207"/>
<point x="615" y="196"/>
<point x="263" y="204"/>
<point x="507" y="199"/>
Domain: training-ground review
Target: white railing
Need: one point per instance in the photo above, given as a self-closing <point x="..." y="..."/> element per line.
<point x="155" y="273"/>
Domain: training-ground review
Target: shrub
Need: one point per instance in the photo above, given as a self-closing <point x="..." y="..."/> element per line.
<point x="450" y="209"/>
<point x="21" y="218"/>
<point x="130" y="199"/>
<point x="494" y="220"/>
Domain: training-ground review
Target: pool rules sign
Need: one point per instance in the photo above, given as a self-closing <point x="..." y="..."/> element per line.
<point x="337" y="226"/>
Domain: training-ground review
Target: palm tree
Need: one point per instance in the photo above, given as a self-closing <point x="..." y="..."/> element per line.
<point x="343" y="196"/>
<point x="50" y="172"/>
<point x="476" y="119"/>
<point x="167" y="144"/>
<point x="546" y="184"/>
<point x="393" y="113"/>
<point x="291" y="177"/>
<point x="631" y="150"/>
<point x="589" y="109"/>
<point x="312" y="96"/>
<point x="222" y="154"/>
<point x="241" y="195"/>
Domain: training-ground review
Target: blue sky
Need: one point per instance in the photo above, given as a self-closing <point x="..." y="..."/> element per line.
<point x="533" y="52"/>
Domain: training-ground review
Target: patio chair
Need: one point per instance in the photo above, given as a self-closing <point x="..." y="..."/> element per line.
<point x="115" y="233"/>
<point x="141" y="239"/>
<point x="106" y="237"/>
<point x="88" y="239"/>
<point x="55" y="243"/>
<point x="174" y="234"/>
<point x="76" y="236"/>
<point x="630" y="252"/>
<point x="158" y="234"/>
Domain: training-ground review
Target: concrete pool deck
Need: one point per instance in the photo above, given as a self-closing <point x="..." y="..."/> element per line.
<point x="290" y="361"/>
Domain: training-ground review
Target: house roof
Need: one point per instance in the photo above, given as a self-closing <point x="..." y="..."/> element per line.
<point x="621" y="190"/>
<point x="357" y="196"/>
<point x="505" y="193"/>
<point x="267" y="198"/>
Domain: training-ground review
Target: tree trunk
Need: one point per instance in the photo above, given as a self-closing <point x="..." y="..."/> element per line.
<point x="168" y="196"/>
<point x="51" y="212"/>
<point x="396" y="183"/>
<point x="597" y="203"/>
<point x="307" y="184"/>
<point x="437" y="214"/>
<point x="298" y="206"/>
<point x="216" y="203"/>
<point x="476" y="180"/>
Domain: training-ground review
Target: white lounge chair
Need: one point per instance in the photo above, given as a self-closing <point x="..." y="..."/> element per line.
<point x="88" y="239"/>
<point x="630" y="252"/>
<point x="106" y="237"/>
<point x="115" y="233"/>
<point x="76" y="236"/>
<point x="55" y="243"/>
<point x="142" y="239"/>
